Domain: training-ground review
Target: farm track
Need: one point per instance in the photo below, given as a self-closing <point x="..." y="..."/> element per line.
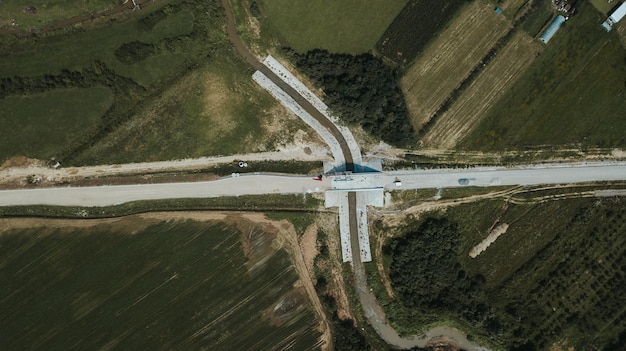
<point x="252" y="60"/>
<point x="474" y="101"/>
<point x="450" y="59"/>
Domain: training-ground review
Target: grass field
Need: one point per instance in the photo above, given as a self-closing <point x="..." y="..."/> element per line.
<point x="178" y="89"/>
<point x="417" y="23"/>
<point x="493" y="82"/>
<point x="605" y="6"/>
<point x="538" y="18"/>
<point x="450" y="58"/>
<point x="556" y="275"/>
<point x="74" y="51"/>
<point x="214" y="110"/>
<point x="337" y="26"/>
<point x="38" y="125"/>
<point x="573" y="94"/>
<point x="132" y="285"/>
<point x="45" y="11"/>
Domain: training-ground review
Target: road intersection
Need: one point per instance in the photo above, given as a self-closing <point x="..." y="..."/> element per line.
<point x="351" y="192"/>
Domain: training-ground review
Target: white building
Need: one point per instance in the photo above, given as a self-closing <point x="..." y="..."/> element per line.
<point x="615" y="17"/>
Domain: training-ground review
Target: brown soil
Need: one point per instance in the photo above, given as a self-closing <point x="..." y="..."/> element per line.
<point x="380" y="242"/>
<point x="473" y="103"/>
<point x="261" y="237"/>
<point x="450" y="58"/>
<point x="442" y="344"/>
<point x="328" y="222"/>
<point x="21" y="161"/>
<point x="308" y="246"/>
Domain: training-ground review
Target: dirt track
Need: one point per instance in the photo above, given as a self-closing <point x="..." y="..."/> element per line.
<point x="242" y="49"/>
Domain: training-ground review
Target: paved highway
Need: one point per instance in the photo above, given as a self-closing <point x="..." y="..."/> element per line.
<point x="275" y="184"/>
<point x="118" y="194"/>
<point x="489" y="176"/>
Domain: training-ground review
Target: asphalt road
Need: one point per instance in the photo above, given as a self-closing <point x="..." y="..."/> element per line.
<point x="115" y="195"/>
<point x="275" y="184"/>
<point x="489" y="176"/>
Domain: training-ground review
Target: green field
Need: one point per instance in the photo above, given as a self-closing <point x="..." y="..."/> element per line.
<point x="350" y="27"/>
<point x="74" y="51"/>
<point x="572" y="94"/>
<point x="178" y="89"/>
<point x="133" y="285"/>
<point x="45" y="11"/>
<point x="605" y="6"/>
<point x="214" y="110"/>
<point x="39" y="125"/>
<point x="556" y="275"/>
<point x="538" y="17"/>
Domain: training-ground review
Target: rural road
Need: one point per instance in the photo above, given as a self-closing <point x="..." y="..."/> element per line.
<point x="256" y="184"/>
<point x="491" y="176"/>
<point x="118" y="194"/>
<point x="242" y="49"/>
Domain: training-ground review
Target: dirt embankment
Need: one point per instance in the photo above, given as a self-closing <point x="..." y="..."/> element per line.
<point x="20" y="171"/>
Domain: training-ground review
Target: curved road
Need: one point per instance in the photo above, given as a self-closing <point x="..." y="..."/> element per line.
<point x="242" y="49"/>
<point x="368" y="302"/>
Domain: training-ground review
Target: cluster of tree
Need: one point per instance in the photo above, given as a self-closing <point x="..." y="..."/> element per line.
<point x="346" y="336"/>
<point x="133" y="52"/>
<point x="425" y="271"/>
<point x="360" y="90"/>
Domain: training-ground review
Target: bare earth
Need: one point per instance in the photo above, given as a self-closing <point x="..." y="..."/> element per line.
<point x="490" y="239"/>
<point x="491" y="84"/>
<point x="16" y="170"/>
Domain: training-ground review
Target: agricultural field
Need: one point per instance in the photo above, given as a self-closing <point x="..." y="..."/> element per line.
<point x="538" y="17"/>
<point x="572" y="94"/>
<point x="31" y="125"/>
<point x="513" y="8"/>
<point x="450" y="58"/>
<point x="142" y="283"/>
<point x="493" y="82"/>
<point x="213" y="110"/>
<point x="177" y="91"/>
<point x="605" y="6"/>
<point x="413" y="28"/>
<point x="554" y="275"/>
<point x="338" y="26"/>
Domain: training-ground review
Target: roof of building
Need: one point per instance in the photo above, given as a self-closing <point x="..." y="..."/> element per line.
<point x="552" y="28"/>
<point x="618" y="14"/>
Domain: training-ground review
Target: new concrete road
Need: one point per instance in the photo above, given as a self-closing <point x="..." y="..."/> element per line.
<point x="115" y="195"/>
<point x="488" y="176"/>
<point x="256" y="184"/>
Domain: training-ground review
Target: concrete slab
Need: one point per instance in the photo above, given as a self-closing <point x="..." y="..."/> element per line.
<point x="291" y="104"/>
<point x="284" y="74"/>
<point x="340" y="199"/>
